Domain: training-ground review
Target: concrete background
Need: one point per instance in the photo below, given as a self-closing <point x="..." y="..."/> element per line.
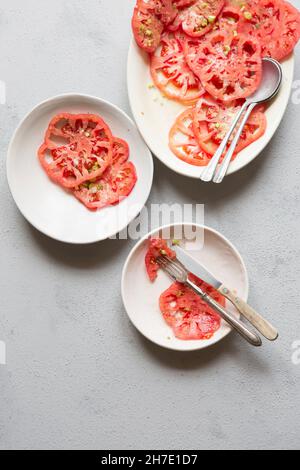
<point x="78" y="375"/>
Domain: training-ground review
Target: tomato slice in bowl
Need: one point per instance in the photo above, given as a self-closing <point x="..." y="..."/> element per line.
<point x="77" y="148"/>
<point x="120" y="153"/>
<point x="228" y="65"/>
<point x="171" y="73"/>
<point x="114" y="185"/>
<point x="183" y="143"/>
<point x="199" y="18"/>
<point x="212" y="120"/>
<point x="156" y="247"/>
<point x="187" y="314"/>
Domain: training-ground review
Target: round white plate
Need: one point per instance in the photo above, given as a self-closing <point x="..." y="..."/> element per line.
<point x="47" y="206"/>
<point x="141" y="297"/>
<point x="155" y="115"/>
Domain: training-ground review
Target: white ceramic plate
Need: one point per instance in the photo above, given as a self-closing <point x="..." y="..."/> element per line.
<point x="155" y="115"/>
<point x="46" y="205"/>
<point x="141" y="297"/>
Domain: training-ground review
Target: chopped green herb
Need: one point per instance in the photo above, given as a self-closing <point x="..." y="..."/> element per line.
<point x="248" y="15"/>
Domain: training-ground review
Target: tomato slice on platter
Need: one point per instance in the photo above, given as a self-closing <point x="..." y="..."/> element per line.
<point x="114" y="185"/>
<point x="187" y="314"/>
<point x="165" y="10"/>
<point x="228" y="65"/>
<point x="77" y="148"/>
<point x="183" y="143"/>
<point x="212" y="120"/>
<point x="229" y="18"/>
<point x="149" y="19"/>
<point x="156" y="247"/>
<point x="290" y="33"/>
<point x="275" y="23"/>
<point x="183" y="3"/>
<point x="171" y="73"/>
<point x="147" y="29"/>
<point x="199" y="18"/>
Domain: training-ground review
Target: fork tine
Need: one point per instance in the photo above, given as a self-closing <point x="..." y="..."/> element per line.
<point x="177" y="266"/>
<point x="167" y="268"/>
<point x="177" y="271"/>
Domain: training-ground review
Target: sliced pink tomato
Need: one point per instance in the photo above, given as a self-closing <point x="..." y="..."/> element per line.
<point x="187" y="314"/>
<point x="114" y="185"/>
<point x="290" y="33"/>
<point x="212" y="120"/>
<point x="183" y="3"/>
<point x="147" y="29"/>
<point x="165" y="10"/>
<point x="170" y="72"/>
<point x="199" y="18"/>
<point x="275" y="23"/>
<point x="156" y="247"/>
<point x="228" y="65"/>
<point x="120" y="152"/>
<point x="77" y="147"/>
<point x="183" y="143"/>
<point x="230" y="17"/>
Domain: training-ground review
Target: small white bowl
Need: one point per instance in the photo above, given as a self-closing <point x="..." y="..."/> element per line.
<point x="155" y="115"/>
<point x="141" y="297"/>
<point x="47" y="206"/>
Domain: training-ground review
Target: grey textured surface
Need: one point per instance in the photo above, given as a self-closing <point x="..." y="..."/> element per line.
<point x="78" y="375"/>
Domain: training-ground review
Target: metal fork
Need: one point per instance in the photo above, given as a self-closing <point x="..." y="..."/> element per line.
<point x="178" y="273"/>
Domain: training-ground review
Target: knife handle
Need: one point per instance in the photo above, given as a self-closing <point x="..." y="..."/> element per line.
<point x="235" y="323"/>
<point x="262" y="325"/>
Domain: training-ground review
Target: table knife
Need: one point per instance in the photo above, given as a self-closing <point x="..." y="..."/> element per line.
<point x="195" y="267"/>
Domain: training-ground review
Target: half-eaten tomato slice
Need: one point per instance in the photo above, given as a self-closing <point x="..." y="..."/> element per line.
<point x="183" y="143"/>
<point x="77" y="148"/>
<point x="171" y="73"/>
<point x="156" y="247"/>
<point x="187" y="314"/>
<point x="114" y="185"/>
<point x="212" y="120"/>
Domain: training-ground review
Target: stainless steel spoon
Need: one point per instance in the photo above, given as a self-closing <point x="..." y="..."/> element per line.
<point x="269" y="87"/>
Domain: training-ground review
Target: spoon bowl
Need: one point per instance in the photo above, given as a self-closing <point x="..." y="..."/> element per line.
<point x="270" y="82"/>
